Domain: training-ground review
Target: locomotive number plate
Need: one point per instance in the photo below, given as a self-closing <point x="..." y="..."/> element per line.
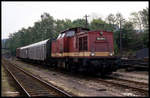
<point x="100" y="38"/>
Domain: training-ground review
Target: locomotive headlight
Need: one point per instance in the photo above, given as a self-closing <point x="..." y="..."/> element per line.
<point x="101" y="33"/>
<point x="92" y="54"/>
<point x="111" y="54"/>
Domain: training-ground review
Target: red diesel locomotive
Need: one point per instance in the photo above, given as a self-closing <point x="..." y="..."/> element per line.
<point x="75" y="49"/>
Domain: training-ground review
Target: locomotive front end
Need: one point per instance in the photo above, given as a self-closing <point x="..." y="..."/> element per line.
<point x="101" y="44"/>
<point x="101" y="48"/>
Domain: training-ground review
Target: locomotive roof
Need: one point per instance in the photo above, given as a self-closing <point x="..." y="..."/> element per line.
<point x="75" y="29"/>
<point x="35" y="44"/>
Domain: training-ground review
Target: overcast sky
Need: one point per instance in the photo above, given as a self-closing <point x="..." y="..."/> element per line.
<point x="16" y="15"/>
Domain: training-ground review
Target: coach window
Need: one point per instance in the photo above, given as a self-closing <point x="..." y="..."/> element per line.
<point x="26" y="51"/>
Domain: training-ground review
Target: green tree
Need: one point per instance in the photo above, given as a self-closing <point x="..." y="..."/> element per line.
<point x="145" y="18"/>
<point x="98" y="24"/>
<point x="119" y="20"/>
<point x="111" y="19"/>
<point x="47" y="26"/>
<point x="128" y="35"/>
<point x="79" y="23"/>
<point x="136" y="20"/>
<point x="145" y="39"/>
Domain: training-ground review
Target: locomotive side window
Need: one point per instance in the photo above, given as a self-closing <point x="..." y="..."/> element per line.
<point x="83" y="43"/>
<point x="70" y="33"/>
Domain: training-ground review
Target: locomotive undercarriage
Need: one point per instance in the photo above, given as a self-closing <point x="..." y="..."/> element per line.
<point x="101" y="66"/>
<point x="93" y="66"/>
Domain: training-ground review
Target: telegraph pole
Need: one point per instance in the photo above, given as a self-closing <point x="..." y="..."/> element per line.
<point x="86" y="25"/>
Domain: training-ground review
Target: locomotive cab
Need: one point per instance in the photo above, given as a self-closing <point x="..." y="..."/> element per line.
<point x="67" y="44"/>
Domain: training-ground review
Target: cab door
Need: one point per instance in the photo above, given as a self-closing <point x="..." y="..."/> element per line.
<point x="83" y="43"/>
<point x="83" y="46"/>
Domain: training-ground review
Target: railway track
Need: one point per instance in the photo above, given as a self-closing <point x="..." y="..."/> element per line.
<point x="32" y="85"/>
<point x="137" y="88"/>
<point x="133" y="86"/>
<point x="134" y="63"/>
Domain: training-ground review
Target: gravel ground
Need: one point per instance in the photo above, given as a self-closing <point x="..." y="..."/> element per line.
<point x="75" y="85"/>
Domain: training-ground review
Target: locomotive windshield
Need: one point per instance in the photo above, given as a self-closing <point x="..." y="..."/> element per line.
<point x="58" y="36"/>
<point x="61" y="35"/>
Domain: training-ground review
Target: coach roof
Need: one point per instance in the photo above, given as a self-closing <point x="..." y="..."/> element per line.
<point x="35" y="44"/>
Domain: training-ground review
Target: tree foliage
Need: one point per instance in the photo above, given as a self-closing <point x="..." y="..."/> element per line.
<point x="111" y="19"/>
<point x="145" y="18"/>
<point x="140" y="19"/>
